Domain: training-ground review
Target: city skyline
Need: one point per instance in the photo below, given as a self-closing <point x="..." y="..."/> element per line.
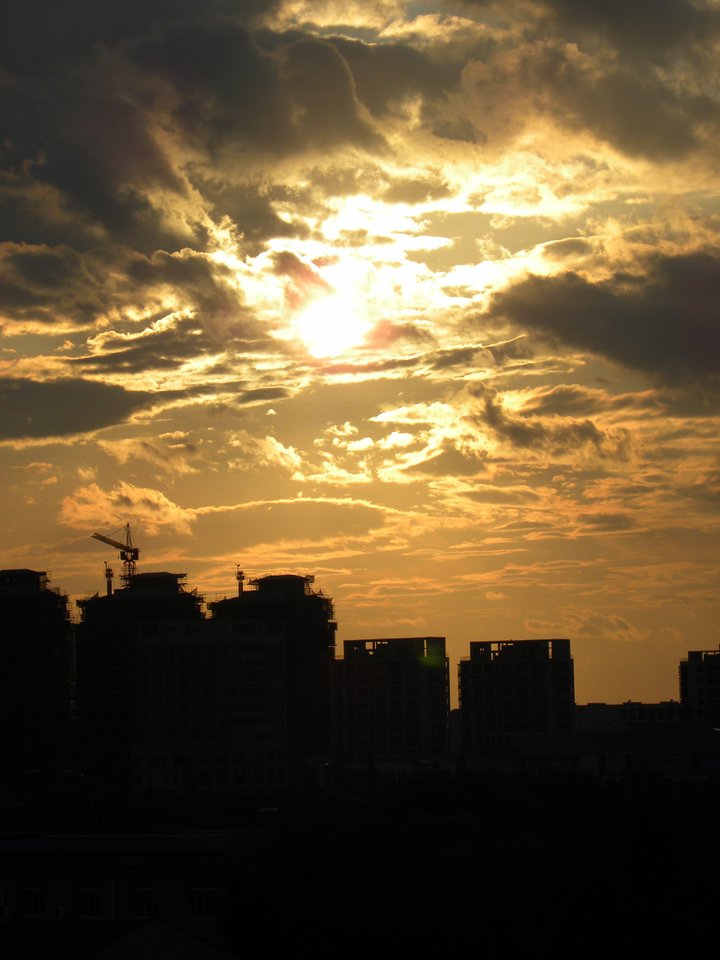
<point x="421" y="299"/>
<point x="247" y="587"/>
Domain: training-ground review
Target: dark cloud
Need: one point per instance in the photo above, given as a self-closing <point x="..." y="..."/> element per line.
<point x="666" y="322"/>
<point x="449" y="462"/>
<point x="688" y="399"/>
<point x="323" y="89"/>
<point x="631" y="25"/>
<point x="455" y="357"/>
<point x="82" y="155"/>
<point x="207" y="289"/>
<point x="263" y="394"/>
<point x="103" y="109"/>
<point x="222" y="88"/>
<point x="566" y="400"/>
<point x="639" y="115"/>
<point x="631" y="106"/>
<point x="510" y="352"/>
<point x="162" y="349"/>
<point x="607" y="522"/>
<point x="47" y="285"/>
<point x="389" y="73"/>
<point x="489" y="493"/>
<point x="574" y="400"/>
<point x="40" y="34"/>
<point x="552" y="435"/>
<point x="230" y="94"/>
<point x="250" y="207"/>
<point x="240" y="391"/>
<point x="111" y="111"/>
<point x="57" y="285"/>
<point x="706" y="490"/>
<point x="331" y="180"/>
<point x="572" y="247"/>
<point x="372" y="366"/>
<point x="58" y="408"/>
<point x="416" y="191"/>
<point x="637" y="24"/>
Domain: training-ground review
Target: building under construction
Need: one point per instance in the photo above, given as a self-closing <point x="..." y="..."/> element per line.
<point x="122" y="680"/>
<point x="515" y="688"/>
<point x="392" y="700"/>
<point x="172" y="700"/>
<point x="282" y="619"/>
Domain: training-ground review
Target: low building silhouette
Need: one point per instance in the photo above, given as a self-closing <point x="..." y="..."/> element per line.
<point x="513" y="689"/>
<point x="700" y="686"/>
<point x="612" y="717"/>
<point x="392" y="701"/>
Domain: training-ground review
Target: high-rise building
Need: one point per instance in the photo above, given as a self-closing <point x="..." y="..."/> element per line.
<point x="515" y="688"/>
<point x="171" y="701"/>
<point x="283" y="630"/>
<point x="122" y="673"/>
<point x="392" y="700"/>
<point x="36" y="678"/>
<point x="700" y="686"/>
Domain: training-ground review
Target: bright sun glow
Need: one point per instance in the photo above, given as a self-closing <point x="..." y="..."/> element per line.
<point x="331" y="325"/>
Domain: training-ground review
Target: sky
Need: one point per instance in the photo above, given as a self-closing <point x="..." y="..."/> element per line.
<point x="422" y="299"/>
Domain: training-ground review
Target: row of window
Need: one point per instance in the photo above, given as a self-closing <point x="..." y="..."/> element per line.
<point x="92" y="897"/>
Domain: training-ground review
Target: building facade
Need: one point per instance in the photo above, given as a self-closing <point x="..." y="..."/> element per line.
<point x="173" y="702"/>
<point x="514" y="689"/>
<point x="124" y="681"/>
<point x="283" y="630"/>
<point x="700" y="686"/>
<point x="392" y="701"/>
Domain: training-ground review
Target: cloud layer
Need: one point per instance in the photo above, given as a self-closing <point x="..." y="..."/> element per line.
<point x="420" y="297"/>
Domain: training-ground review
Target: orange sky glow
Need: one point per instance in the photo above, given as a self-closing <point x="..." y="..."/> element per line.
<point x="420" y="298"/>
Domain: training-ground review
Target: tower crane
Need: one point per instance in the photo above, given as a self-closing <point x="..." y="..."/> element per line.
<point x="129" y="553"/>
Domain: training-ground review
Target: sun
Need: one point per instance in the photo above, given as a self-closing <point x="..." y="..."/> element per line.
<point x="331" y="324"/>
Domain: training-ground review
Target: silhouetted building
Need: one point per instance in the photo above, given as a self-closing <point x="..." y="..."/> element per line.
<point x="514" y="689"/>
<point x="175" y="703"/>
<point x="35" y="682"/>
<point x="211" y="711"/>
<point x="605" y="717"/>
<point x="700" y="686"/>
<point x="124" y="690"/>
<point x="282" y="634"/>
<point x="392" y="700"/>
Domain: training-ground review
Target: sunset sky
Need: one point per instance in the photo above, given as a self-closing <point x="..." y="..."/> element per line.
<point x="420" y="298"/>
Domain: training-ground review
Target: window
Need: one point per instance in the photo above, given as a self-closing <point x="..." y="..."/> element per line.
<point x="31" y="897"/>
<point x="201" y="897"/>
<point x="87" y="897"/>
<point x="143" y="898"/>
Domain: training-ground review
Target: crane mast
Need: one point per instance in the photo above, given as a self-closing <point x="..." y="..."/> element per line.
<point x="129" y="553"/>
